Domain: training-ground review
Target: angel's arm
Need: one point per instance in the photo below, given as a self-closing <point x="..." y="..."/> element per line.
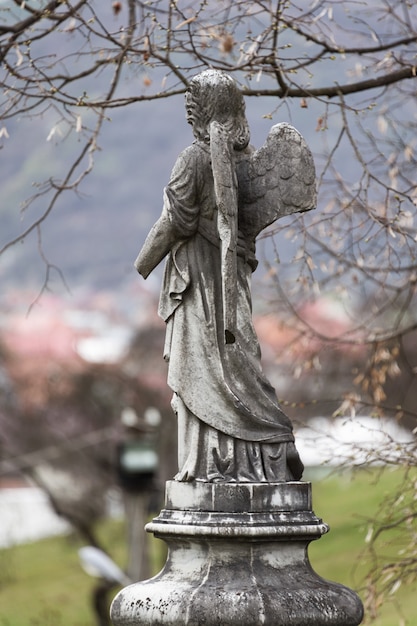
<point x="158" y="243"/>
<point x="179" y="217"/>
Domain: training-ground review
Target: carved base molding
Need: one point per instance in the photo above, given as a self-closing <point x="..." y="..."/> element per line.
<point x="237" y="556"/>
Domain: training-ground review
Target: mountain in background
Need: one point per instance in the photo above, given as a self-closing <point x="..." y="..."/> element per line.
<point x="93" y="237"/>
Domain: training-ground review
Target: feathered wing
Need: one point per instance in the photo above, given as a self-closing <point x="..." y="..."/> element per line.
<point x="276" y="180"/>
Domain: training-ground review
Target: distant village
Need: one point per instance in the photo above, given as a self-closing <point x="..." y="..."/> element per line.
<point x="70" y="368"/>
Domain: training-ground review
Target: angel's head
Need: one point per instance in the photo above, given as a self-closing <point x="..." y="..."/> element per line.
<point x="215" y="96"/>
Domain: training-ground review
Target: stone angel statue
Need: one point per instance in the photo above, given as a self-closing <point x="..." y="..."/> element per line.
<point x="222" y="193"/>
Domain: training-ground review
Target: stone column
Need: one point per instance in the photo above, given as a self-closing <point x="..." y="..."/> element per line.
<point x="237" y="556"/>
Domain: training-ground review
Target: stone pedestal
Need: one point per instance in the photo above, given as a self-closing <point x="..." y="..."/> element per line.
<point x="237" y="556"/>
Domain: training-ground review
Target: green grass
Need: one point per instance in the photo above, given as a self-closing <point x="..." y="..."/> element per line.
<point x="42" y="584"/>
<point x="347" y="503"/>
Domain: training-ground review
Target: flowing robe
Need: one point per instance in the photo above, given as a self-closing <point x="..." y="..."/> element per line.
<point x="229" y="421"/>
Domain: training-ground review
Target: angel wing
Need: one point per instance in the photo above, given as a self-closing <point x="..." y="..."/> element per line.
<point x="276" y="180"/>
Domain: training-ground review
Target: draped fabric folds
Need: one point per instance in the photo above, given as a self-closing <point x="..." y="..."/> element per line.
<point x="230" y="424"/>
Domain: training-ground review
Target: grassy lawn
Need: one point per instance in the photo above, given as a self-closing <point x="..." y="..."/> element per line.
<point x="347" y="503"/>
<point x="42" y="584"/>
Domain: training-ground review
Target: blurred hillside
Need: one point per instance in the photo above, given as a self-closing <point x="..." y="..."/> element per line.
<point x="94" y="237"/>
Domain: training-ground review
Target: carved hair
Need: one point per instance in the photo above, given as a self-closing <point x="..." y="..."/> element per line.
<point x="214" y="95"/>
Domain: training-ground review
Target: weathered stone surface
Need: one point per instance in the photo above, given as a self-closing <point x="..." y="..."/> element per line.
<point x="238" y="497"/>
<point x="221" y="194"/>
<point x="237" y="521"/>
<point x="240" y="567"/>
